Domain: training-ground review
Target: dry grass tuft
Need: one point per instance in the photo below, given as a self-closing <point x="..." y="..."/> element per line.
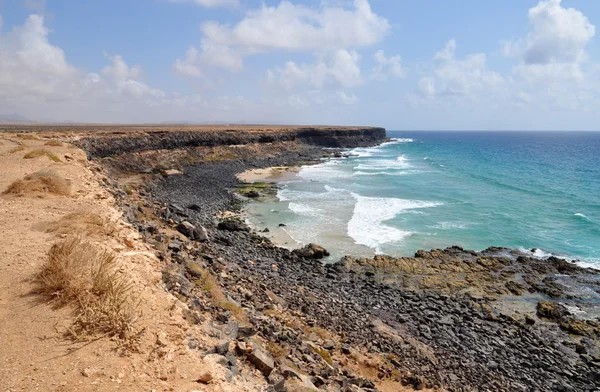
<point x="82" y="223"/>
<point x="81" y="274"/>
<point x="42" y="182"/>
<point x="41" y="153"/>
<point x="53" y="143"/>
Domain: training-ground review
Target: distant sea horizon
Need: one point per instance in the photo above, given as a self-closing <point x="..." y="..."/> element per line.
<point x="538" y="191"/>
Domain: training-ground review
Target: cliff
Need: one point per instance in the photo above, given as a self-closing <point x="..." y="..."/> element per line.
<point x="103" y="144"/>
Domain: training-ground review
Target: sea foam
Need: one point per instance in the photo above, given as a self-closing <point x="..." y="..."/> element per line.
<point x="367" y="225"/>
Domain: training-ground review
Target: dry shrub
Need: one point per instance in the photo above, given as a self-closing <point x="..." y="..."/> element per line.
<point x="53" y="143"/>
<point x="84" y="275"/>
<point x="42" y="182"/>
<point x="41" y="153"/>
<point x="82" y="222"/>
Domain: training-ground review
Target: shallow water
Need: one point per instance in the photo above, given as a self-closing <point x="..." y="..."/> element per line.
<point x="436" y="189"/>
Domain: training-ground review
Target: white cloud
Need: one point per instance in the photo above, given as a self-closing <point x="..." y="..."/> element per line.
<point x="291" y="27"/>
<point x="458" y="77"/>
<point x="119" y="70"/>
<point x="554" y="49"/>
<point x="35" y="76"/>
<point x="221" y="56"/>
<point x="339" y="69"/>
<point x="557" y="35"/>
<point x="209" y="3"/>
<point x="188" y="66"/>
<point x="37" y="81"/>
<point x="387" y="66"/>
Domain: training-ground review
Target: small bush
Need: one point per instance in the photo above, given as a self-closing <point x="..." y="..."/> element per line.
<point x="41" y="153"/>
<point x="42" y="182"/>
<point x="81" y="274"/>
<point x="53" y="143"/>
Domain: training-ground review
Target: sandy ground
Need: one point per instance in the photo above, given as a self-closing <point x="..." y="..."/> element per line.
<point x="270" y="174"/>
<point x="34" y="353"/>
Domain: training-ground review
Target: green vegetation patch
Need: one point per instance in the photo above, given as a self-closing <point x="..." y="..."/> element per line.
<point x="249" y="189"/>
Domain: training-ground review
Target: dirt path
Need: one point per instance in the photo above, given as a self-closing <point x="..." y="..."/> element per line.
<point x="34" y="353"/>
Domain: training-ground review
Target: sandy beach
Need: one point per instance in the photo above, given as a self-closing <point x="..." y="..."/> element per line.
<point x="269" y="174"/>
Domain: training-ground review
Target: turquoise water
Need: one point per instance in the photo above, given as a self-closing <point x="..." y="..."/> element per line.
<point x="429" y="190"/>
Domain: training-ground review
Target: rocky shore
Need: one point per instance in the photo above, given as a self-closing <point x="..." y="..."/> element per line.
<point x="448" y="319"/>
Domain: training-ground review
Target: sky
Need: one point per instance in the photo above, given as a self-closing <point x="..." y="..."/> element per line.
<point x="403" y="65"/>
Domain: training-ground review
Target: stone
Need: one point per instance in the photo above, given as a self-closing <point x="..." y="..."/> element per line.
<point x="551" y="310"/>
<point x="200" y="234"/>
<point x="252" y="194"/>
<point x="311" y="251"/>
<point x="205" y="378"/>
<point x="222" y="347"/>
<point x="529" y="320"/>
<point x="186" y="228"/>
<point x="174" y="246"/>
<point x="232" y="225"/>
<point x="261" y="360"/>
<point x="329" y="344"/>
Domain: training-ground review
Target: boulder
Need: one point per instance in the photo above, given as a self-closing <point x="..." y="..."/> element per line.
<point x="200" y="234"/>
<point x="551" y="310"/>
<point x="252" y="194"/>
<point x="186" y="228"/>
<point x="261" y="360"/>
<point x="311" y="251"/>
<point x="233" y="225"/>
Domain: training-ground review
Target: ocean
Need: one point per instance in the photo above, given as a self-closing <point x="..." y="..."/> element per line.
<point x="537" y="191"/>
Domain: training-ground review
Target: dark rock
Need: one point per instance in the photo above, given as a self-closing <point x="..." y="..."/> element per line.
<point x="233" y="225"/>
<point x="551" y="310"/>
<point x="222" y="347"/>
<point x="186" y="228"/>
<point x="194" y="207"/>
<point x="252" y="194"/>
<point x="174" y="246"/>
<point x="201" y="234"/>
<point x="311" y="251"/>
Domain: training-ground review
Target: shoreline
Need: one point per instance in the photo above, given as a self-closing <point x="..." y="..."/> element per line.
<point x="437" y="320"/>
<point x="279" y="174"/>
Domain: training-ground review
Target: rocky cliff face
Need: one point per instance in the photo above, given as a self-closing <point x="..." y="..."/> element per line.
<point x="105" y="145"/>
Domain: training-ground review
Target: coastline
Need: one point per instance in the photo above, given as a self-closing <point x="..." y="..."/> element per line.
<point x="435" y="320"/>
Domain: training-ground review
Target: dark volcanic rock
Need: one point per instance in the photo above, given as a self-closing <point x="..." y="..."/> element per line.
<point x="233" y="225"/>
<point x="312" y="251"/>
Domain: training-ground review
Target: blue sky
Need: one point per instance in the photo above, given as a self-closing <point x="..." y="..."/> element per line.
<point x="473" y="65"/>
